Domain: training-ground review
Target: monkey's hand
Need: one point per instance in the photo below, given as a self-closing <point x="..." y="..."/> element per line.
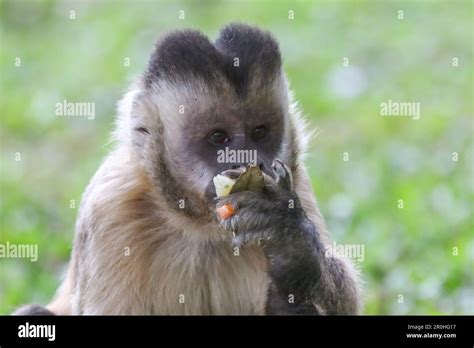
<point x="304" y="280"/>
<point x="265" y="217"/>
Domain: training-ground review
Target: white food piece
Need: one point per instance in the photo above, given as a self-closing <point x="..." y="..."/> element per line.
<point x="223" y="185"/>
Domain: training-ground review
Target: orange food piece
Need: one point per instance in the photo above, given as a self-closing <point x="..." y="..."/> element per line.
<point x="225" y="212"/>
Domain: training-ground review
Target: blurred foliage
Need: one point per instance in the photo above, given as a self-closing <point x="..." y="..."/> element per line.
<point x="408" y="251"/>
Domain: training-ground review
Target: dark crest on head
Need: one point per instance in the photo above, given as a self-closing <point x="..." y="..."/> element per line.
<point x="241" y="53"/>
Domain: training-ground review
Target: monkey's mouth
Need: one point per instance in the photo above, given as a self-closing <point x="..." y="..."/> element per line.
<point x="232" y="173"/>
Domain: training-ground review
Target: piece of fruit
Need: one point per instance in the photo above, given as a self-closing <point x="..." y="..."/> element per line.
<point x="225" y="212"/>
<point x="248" y="178"/>
<point x="223" y="185"/>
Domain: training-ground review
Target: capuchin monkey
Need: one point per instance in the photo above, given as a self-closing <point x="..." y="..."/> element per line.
<point x="148" y="239"/>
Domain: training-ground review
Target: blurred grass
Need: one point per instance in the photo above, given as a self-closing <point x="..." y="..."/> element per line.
<point x="407" y="251"/>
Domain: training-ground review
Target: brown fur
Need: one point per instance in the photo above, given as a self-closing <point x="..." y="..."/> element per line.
<point x="132" y="202"/>
<point x="170" y="254"/>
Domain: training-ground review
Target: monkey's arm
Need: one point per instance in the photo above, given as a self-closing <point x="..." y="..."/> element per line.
<point x="304" y="279"/>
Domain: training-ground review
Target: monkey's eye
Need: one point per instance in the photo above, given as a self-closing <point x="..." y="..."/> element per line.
<point x="259" y="132"/>
<point x="218" y="137"/>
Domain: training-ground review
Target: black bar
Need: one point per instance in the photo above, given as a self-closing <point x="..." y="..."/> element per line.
<point x="136" y="330"/>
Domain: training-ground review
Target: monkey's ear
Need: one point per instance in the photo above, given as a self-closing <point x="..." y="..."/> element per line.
<point x="183" y="54"/>
<point x="142" y="123"/>
<point x="248" y="51"/>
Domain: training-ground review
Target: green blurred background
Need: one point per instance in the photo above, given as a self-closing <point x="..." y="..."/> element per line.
<point x="408" y="251"/>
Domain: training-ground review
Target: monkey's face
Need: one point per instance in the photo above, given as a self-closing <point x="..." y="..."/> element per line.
<point x="230" y="135"/>
<point x="219" y="105"/>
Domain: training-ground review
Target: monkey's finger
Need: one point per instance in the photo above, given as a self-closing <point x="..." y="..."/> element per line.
<point x="238" y="200"/>
<point x="269" y="181"/>
<point x="283" y="175"/>
<point x="255" y="237"/>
